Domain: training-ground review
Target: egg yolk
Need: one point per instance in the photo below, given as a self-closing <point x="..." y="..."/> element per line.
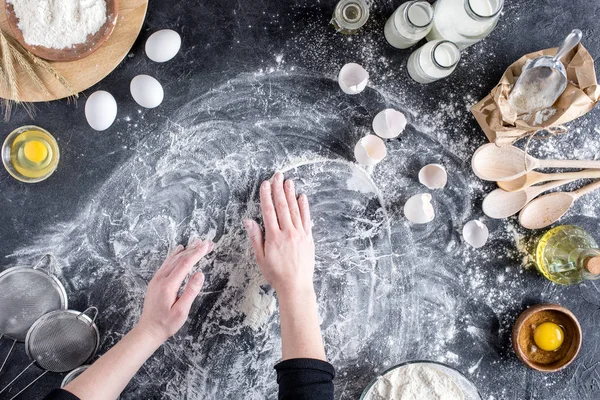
<point x="548" y="336"/>
<point x="35" y="151"/>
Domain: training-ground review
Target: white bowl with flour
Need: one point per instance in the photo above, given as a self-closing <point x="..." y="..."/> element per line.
<point x="421" y="380"/>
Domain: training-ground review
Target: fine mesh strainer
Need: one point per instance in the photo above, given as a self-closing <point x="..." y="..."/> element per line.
<point x="70" y="377"/>
<point x="60" y="341"/>
<point x="25" y="295"/>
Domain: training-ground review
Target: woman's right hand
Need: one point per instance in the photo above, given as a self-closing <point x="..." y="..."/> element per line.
<point x="164" y="311"/>
<point x="286" y="252"/>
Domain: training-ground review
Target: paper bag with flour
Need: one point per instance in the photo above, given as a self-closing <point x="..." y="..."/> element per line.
<point x="500" y="121"/>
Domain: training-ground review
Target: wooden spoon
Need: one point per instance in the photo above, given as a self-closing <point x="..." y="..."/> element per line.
<point x="548" y="209"/>
<point x="533" y="177"/>
<point x="502" y="204"/>
<point x="493" y="163"/>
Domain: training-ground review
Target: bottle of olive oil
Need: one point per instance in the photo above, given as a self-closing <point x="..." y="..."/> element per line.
<point x="568" y="255"/>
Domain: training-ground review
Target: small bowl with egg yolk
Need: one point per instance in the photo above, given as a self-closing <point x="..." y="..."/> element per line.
<point x="546" y="337"/>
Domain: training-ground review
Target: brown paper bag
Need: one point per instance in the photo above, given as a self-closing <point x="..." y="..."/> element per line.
<point x="500" y="122"/>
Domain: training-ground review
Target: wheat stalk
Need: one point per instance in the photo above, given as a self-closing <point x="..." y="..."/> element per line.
<point x="10" y="75"/>
<point x="27" y="67"/>
<point x="11" y="52"/>
<point x="73" y="95"/>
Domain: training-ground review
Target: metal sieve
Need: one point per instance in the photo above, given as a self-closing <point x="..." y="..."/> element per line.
<point x="70" y="377"/>
<point x="60" y="341"/>
<point x="25" y="295"/>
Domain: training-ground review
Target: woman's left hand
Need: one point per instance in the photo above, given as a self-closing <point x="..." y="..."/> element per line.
<point x="164" y="312"/>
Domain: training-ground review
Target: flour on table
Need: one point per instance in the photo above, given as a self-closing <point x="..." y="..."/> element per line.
<point x="415" y="382"/>
<point x="58" y="24"/>
<point x="257" y="306"/>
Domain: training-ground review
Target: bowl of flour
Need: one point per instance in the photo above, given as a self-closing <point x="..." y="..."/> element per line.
<point x="421" y="380"/>
<point x="62" y="30"/>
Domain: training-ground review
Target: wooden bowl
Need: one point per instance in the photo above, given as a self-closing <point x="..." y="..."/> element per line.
<point x="77" y="51"/>
<point x="538" y="359"/>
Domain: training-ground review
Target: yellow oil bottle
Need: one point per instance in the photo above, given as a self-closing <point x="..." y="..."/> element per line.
<point x="568" y="255"/>
<point x="30" y="154"/>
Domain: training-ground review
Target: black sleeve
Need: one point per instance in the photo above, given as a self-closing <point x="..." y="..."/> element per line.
<point x="59" y="394"/>
<point x="305" y="379"/>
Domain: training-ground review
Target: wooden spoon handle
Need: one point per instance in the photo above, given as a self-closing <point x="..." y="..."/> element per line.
<point x="586" y="174"/>
<point x="587" y="189"/>
<point x="536" y="190"/>
<point x="568" y="164"/>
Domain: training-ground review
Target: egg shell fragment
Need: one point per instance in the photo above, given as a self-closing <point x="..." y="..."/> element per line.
<point x="370" y="150"/>
<point x="353" y="78"/>
<point x="475" y="233"/>
<point x="433" y="176"/>
<point x="389" y="123"/>
<point x="418" y="209"/>
<point x="163" y="45"/>
<point x="146" y="91"/>
<point x="100" y="110"/>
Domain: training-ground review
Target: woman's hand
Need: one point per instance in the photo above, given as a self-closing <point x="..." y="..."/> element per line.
<point x="286" y="255"/>
<point x="286" y="258"/>
<point x="164" y="312"/>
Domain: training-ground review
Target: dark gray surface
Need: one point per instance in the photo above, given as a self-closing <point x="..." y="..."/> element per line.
<point x="233" y="113"/>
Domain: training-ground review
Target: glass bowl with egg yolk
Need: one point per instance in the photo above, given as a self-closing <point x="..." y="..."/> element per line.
<point x="30" y="154"/>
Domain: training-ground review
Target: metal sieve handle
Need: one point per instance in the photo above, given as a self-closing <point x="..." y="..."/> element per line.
<point x="52" y="261"/>
<point x="94" y="309"/>
<point x="28" y="386"/>
<point x="16" y="377"/>
<point x="7" y="355"/>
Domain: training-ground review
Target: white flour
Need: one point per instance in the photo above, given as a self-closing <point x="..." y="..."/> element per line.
<point x="415" y="382"/>
<point x="59" y="24"/>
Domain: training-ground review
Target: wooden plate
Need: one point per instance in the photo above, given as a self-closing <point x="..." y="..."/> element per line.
<point x="76" y="52"/>
<point x="90" y="70"/>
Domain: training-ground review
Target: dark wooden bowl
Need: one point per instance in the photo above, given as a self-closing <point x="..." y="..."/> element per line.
<point x="75" y="52"/>
<point x="522" y="333"/>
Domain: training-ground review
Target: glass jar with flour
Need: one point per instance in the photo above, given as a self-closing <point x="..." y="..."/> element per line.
<point x="435" y="60"/>
<point x="410" y="23"/>
<point x="464" y="22"/>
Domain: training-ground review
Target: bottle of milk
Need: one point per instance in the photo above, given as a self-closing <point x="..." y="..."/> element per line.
<point x="410" y="23"/>
<point x="464" y="22"/>
<point x="432" y="61"/>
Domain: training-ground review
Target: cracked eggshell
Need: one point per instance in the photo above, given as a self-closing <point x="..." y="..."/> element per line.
<point x="419" y="210"/>
<point x="433" y="176"/>
<point x="353" y="78"/>
<point x="389" y="123"/>
<point x="475" y="233"/>
<point x="370" y="150"/>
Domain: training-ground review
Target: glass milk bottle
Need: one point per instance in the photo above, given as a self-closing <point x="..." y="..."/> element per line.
<point x="464" y="22"/>
<point x="410" y="23"/>
<point x="435" y="60"/>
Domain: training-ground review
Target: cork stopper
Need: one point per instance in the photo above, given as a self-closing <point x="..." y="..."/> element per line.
<point x="592" y="264"/>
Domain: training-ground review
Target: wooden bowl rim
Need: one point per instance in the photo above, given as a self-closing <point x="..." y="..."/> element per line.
<point x="525" y="315"/>
<point x="77" y="51"/>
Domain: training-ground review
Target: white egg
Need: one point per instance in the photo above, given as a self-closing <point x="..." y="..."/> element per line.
<point x="163" y="45"/>
<point x="418" y="209"/>
<point x="433" y="176"/>
<point x="146" y="91"/>
<point x="353" y="78"/>
<point x="100" y="110"/>
<point x="389" y="123"/>
<point x="370" y="150"/>
<point x="475" y="233"/>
